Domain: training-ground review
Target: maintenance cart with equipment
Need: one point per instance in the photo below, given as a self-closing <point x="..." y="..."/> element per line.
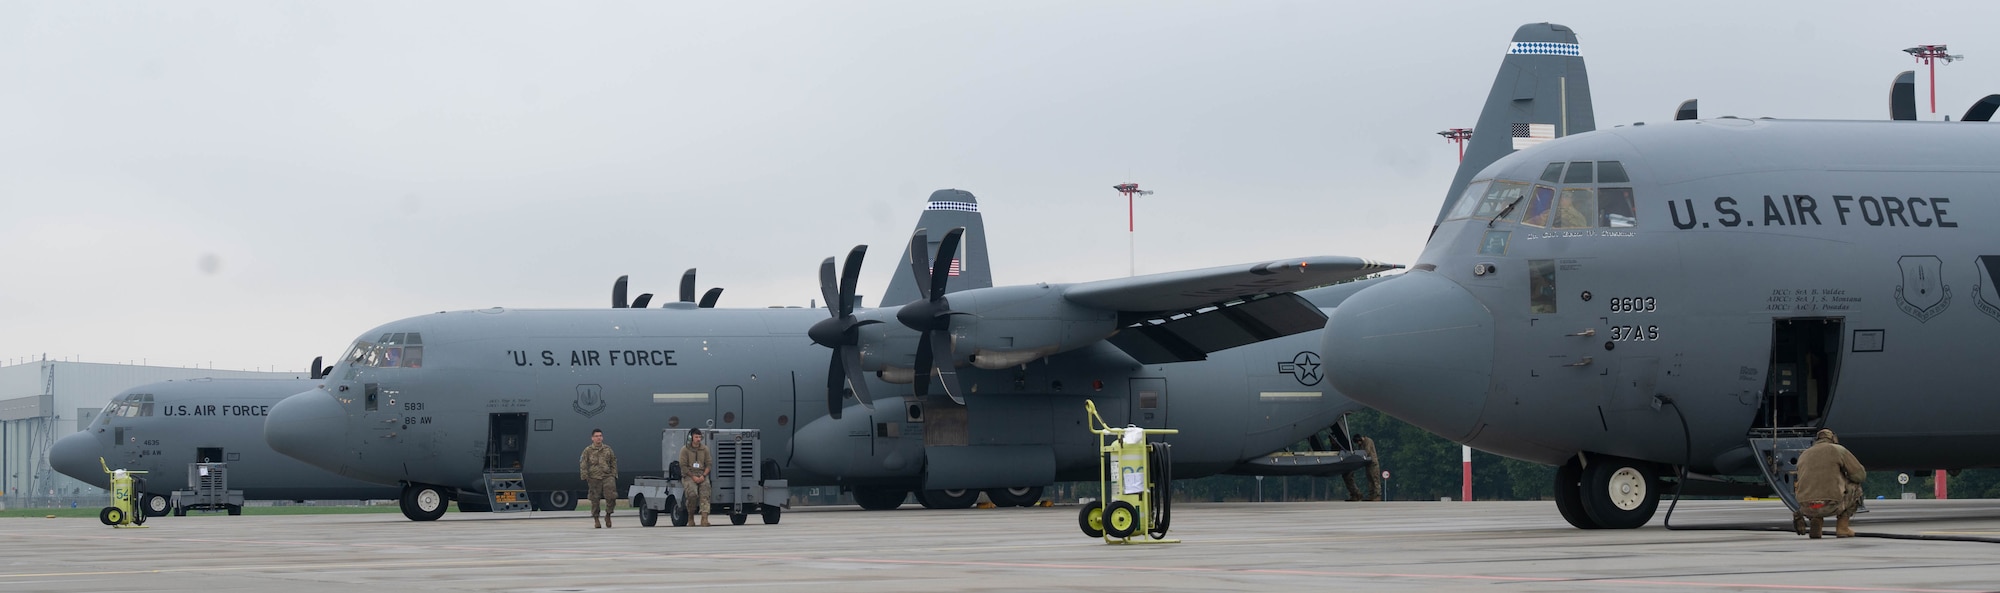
<point x="1135" y="485"/>
<point x="125" y="489"/>
<point x="740" y="484"/>
<point x="208" y="490"/>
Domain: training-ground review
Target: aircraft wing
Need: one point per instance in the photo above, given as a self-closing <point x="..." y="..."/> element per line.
<point x="1183" y="316"/>
<point x="1195" y="289"/>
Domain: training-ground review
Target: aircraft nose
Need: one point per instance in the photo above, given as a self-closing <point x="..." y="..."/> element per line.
<point x="307" y="427"/>
<point x="1419" y="347"/>
<point x="76" y="456"/>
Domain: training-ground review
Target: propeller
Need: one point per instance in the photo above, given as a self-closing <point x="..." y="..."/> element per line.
<point x="841" y="331"/>
<point x="1689" y="109"/>
<point x="931" y="316"/>
<point x="618" y="293"/>
<point x="708" y="298"/>
<point x="1983" y="110"/>
<point x="687" y="292"/>
<point x="1903" y="97"/>
<point x="642" y="301"/>
<point x="318" y="371"/>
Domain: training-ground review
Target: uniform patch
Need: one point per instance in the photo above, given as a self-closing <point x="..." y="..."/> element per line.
<point x="1923" y="293"/>
<point x="589" y="400"/>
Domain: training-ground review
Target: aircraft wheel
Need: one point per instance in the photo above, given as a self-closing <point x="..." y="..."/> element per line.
<point x="155" y="505"/>
<point x="738" y="518"/>
<point x="1121" y="520"/>
<point x="772" y="514"/>
<point x="111" y="516"/>
<point x="1569" y="495"/>
<point x="880" y="499"/>
<point x="1015" y="497"/>
<point x="948" y="499"/>
<point x="1092" y="519"/>
<point x="424" y="503"/>
<point x="1620" y="493"/>
<point x="647" y="516"/>
<point x="677" y="512"/>
<point x="554" y="500"/>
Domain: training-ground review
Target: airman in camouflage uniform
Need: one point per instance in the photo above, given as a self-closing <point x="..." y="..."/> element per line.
<point x="599" y="468"/>
<point x="696" y="461"/>
<point x="1366" y="445"/>
<point x="1829" y="484"/>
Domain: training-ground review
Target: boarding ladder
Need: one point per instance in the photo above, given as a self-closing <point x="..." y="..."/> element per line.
<point x="1777" y="452"/>
<point x="507" y="492"/>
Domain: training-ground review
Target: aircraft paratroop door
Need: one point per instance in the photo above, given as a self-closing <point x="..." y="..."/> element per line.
<point x="1805" y="361"/>
<point x="1149" y="403"/>
<point x="728" y="407"/>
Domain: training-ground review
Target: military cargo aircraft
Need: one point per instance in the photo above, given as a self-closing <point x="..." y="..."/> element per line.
<point x="162" y="427"/>
<point x="441" y="403"/>
<point x="1694" y="298"/>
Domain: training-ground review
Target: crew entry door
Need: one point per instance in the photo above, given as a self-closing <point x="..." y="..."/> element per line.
<point x="1805" y="361"/>
<point x="506" y="442"/>
<point x="1149" y="403"/>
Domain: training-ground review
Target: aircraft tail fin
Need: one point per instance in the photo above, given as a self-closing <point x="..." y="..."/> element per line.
<point x="1690" y="109"/>
<point x="1542" y="92"/>
<point x="947" y="209"/>
<point x="1903" y="97"/>
<point x="1983" y="110"/>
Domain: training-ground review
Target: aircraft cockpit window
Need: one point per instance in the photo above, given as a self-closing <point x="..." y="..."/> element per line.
<point x="133" y="405"/>
<point x="1467" y="201"/>
<point x="414" y="339"/>
<point x="1499" y="196"/>
<point x="413" y="356"/>
<point x="1611" y="172"/>
<point x="391" y="357"/>
<point x="1538" y="208"/>
<point x="1553" y="174"/>
<point x="1577" y="209"/>
<point x="1580" y="172"/>
<point x="1615" y="208"/>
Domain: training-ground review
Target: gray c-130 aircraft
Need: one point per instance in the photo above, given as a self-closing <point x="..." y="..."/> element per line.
<point x="984" y="385"/>
<point x="1699" y="296"/>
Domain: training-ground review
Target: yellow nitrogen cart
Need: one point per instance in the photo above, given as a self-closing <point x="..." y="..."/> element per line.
<point x="1134" y="483"/>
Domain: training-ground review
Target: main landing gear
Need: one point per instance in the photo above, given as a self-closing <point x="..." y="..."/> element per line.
<point x="423" y="502"/>
<point x="1607" y="493"/>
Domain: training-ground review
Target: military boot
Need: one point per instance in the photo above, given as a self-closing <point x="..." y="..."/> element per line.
<point x="1841" y="528"/>
<point x="1818" y="523"/>
<point x="704" y="519"/>
<point x="594" y="522"/>
<point x="607" y="519"/>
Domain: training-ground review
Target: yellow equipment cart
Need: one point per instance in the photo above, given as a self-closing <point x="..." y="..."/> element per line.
<point x="1135" y="485"/>
<point x="124" y="511"/>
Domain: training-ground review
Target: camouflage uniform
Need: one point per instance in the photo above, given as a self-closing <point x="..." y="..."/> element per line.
<point x="697" y="459"/>
<point x="599" y="468"/>
<point x="1374" y="473"/>
<point x="1829" y="484"/>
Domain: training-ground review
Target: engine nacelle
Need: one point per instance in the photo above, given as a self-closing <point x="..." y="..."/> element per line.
<point x="1007" y="326"/>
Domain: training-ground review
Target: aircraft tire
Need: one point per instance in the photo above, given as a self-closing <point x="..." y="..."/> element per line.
<point x="771" y="514"/>
<point x="424" y="503"/>
<point x="739" y="518"/>
<point x="1092" y="519"/>
<point x="155" y="505"/>
<point x="1620" y="493"/>
<point x="1121" y="519"/>
<point x="647" y="516"/>
<point x="1569" y="495"/>
<point x="880" y="499"/>
<point x="948" y="499"/>
<point x="111" y="516"/>
<point x="555" y="500"/>
<point x="677" y="512"/>
<point x="1015" y="497"/>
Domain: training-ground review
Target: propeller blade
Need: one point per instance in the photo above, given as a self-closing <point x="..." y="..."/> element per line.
<point x="834" y="381"/>
<point x="827" y="288"/>
<point x="1903" y="97"/>
<point x="850" y="358"/>
<point x="941" y="269"/>
<point x="708" y="299"/>
<point x="1689" y="110"/>
<point x="618" y="293"/>
<point x="920" y="261"/>
<point x="1983" y="110"/>
<point x="850" y="272"/>
<point x="317" y="370"/>
<point x="947" y="372"/>
<point x="922" y="372"/>
<point x="687" y="286"/>
<point x="643" y="300"/>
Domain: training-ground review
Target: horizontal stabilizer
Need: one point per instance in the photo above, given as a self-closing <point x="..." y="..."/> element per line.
<point x="1191" y="336"/>
<point x="1983" y="110"/>
<point x="1151" y="294"/>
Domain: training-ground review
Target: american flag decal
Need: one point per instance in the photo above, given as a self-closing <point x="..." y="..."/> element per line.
<point x="1526" y="135"/>
<point x="954" y="268"/>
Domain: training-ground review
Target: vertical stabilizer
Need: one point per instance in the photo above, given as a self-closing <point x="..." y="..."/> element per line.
<point x="947" y="209"/>
<point x="1541" y="93"/>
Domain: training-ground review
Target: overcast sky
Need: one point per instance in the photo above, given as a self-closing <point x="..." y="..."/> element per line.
<point x="251" y="184"/>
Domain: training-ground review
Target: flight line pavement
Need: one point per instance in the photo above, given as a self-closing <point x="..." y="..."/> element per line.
<point x="1392" y="546"/>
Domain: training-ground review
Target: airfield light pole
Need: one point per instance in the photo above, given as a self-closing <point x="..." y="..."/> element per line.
<point x="1929" y="55"/>
<point x="1131" y="190"/>
<point x="1458" y="136"/>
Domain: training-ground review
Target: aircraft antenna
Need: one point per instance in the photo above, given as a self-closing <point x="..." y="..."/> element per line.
<point x="1131" y="242"/>
<point x="1929" y="55"/>
<point x="1458" y="136"/>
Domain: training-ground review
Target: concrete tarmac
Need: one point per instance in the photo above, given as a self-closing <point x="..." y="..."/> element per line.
<point x="1394" y="546"/>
